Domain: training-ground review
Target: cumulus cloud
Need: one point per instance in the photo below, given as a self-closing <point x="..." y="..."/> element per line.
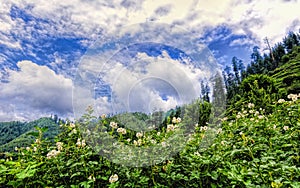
<point x="152" y="83"/>
<point x="35" y="89"/>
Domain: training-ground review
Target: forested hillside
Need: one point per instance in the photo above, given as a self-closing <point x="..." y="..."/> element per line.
<point x="20" y="134"/>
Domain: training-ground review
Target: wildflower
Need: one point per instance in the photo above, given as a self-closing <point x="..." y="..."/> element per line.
<point x="294" y="97"/>
<point x="238" y="116"/>
<point x="197" y="153"/>
<point x="176" y="120"/>
<point x="260" y="117"/>
<point x="37" y="141"/>
<point x="34" y="149"/>
<point x="153" y="141"/>
<point x="72" y="125"/>
<point x="114" y="125"/>
<point x="245" y="112"/>
<point x="163" y="144"/>
<point x="80" y="143"/>
<point x="170" y="127"/>
<point x="139" y="134"/>
<point x="158" y="133"/>
<point x="139" y="142"/>
<point x="135" y="143"/>
<point x="128" y="140"/>
<point x="241" y="133"/>
<point x="286" y="128"/>
<point x="52" y="153"/>
<point x="223" y="142"/>
<point x="281" y="101"/>
<point x="91" y="178"/>
<point x="113" y="178"/>
<point x="251" y="119"/>
<point x="27" y="148"/>
<point x="224" y="119"/>
<point x="16" y="148"/>
<point x="103" y="116"/>
<point x="203" y="128"/>
<point x="251" y="111"/>
<point x="74" y="131"/>
<point x="121" y="130"/>
<point x="274" y="126"/>
<point x="250" y="105"/>
<point x="256" y="113"/>
<point x="59" y="145"/>
<point x="219" y="130"/>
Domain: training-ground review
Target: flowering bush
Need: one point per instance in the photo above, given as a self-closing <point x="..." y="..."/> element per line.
<point x="254" y="149"/>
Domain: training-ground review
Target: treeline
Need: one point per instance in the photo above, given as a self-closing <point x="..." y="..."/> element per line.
<point x="267" y="77"/>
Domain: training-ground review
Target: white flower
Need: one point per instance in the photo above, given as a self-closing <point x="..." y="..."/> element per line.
<point x="251" y="119"/>
<point x="203" y="128"/>
<point x="59" y="145"/>
<point x="197" y="153"/>
<point x="158" y="133"/>
<point x="114" y="125"/>
<point x="16" y="148"/>
<point x="37" y="141"/>
<point x="121" y="130"/>
<point x="223" y="142"/>
<point x="72" y="125"/>
<point x="170" y="127"/>
<point x="139" y="134"/>
<point x="251" y="111"/>
<point x="128" y="140"/>
<point x="274" y="126"/>
<point x="113" y="178"/>
<point x="224" y="119"/>
<point x="103" y="116"/>
<point x="27" y="148"/>
<point x="238" y="116"/>
<point x="80" y="143"/>
<point x="260" y="117"/>
<point x="163" y="144"/>
<point x="52" y="153"/>
<point x="250" y="105"/>
<point x="74" y="131"/>
<point x="176" y="120"/>
<point x="135" y="143"/>
<point x="219" y="130"/>
<point x="139" y="142"/>
<point x="34" y="149"/>
<point x="281" y="101"/>
<point x="286" y="128"/>
<point x="153" y="141"/>
<point x="241" y="133"/>
<point x="92" y="178"/>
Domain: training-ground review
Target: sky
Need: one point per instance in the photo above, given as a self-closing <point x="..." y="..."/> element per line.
<point x="57" y="56"/>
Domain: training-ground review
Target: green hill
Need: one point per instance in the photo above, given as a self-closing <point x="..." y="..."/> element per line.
<point x="288" y="74"/>
<point x="15" y="134"/>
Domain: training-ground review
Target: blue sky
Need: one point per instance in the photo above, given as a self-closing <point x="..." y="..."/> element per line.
<point x="42" y="43"/>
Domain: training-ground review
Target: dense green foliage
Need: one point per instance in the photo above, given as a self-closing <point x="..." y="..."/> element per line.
<point x="253" y="149"/>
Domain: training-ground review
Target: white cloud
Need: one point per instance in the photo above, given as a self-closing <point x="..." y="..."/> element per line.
<point x="36" y="89"/>
<point x="140" y="88"/>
